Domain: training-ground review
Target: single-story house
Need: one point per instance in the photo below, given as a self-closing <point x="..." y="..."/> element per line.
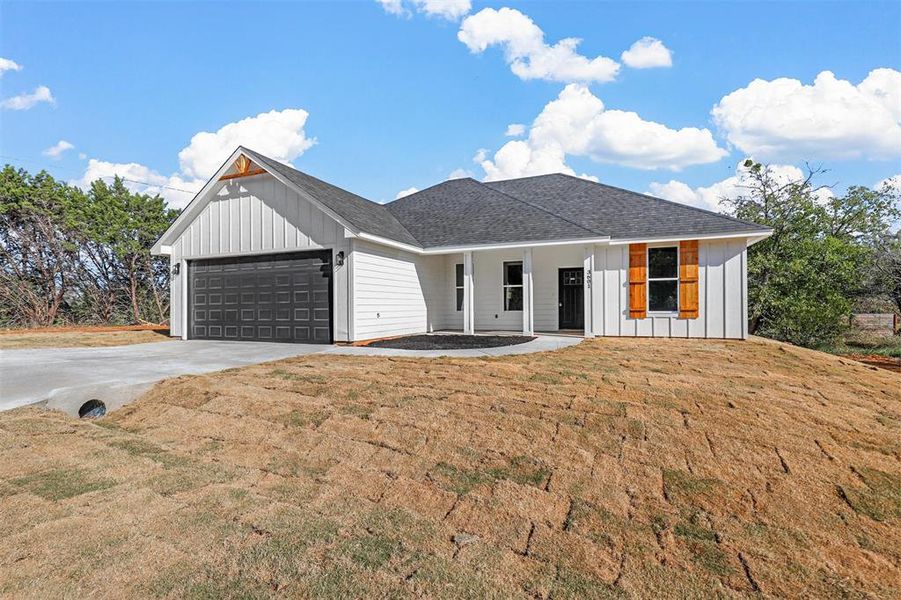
<point x="266" y="252"/>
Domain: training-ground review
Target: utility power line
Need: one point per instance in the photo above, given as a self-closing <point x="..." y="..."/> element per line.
<point x="49" y="167"/>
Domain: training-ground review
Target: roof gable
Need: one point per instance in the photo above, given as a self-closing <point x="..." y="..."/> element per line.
<point x="364" y="215"/>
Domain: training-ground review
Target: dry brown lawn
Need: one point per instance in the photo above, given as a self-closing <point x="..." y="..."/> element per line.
<point x="74" y="339"/>
<point x="617" y="468"/>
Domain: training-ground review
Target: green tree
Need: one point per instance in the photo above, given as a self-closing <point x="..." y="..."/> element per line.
<point x="117" y="229"/>
<point x="38" y="250"/>
<point x="802" y="281"/>
<point x="66" y="255"/>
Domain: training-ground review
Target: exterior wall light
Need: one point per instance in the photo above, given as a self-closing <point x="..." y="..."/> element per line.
<point x="339" y="258"/>
<point x="176" y="268"/>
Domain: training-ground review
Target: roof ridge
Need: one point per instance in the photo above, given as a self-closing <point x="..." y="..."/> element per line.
<point x="470" y="206"/>
<point x="663" y="200"/>
<point x="434" y="185"/>
<point x="541" y="208"/>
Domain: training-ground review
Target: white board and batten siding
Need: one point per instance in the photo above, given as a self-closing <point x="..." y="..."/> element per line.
<point x="722" y="295"/>
<point x="395" y="292"/>
<point x="722" y="292"/>
<point x="255" y="216"/>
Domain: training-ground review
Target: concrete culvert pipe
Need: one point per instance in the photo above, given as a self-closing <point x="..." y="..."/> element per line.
<point x="92" y="409"/>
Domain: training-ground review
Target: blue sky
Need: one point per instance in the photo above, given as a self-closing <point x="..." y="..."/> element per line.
<point x="398" y="101"/>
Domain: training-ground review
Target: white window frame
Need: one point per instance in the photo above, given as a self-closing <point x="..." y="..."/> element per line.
<point x="459" y="288"/>
<point x="505" y="286"/>
<point x="664" y="313"/>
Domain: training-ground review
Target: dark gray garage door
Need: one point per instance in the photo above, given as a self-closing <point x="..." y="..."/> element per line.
<point x="273" y="298"/>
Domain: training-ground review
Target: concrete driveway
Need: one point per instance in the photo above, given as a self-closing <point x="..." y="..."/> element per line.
<point x="67" y="376"/>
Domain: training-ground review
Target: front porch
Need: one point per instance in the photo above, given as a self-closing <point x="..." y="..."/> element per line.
<point x="538" y="289"/>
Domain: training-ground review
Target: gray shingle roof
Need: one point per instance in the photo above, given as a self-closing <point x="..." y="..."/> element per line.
<point x="617" y="212"/>
<point x="363" y="214"/>
<point x="462" y="212"/>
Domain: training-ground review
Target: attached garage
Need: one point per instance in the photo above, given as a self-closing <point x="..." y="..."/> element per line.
<point x="271" y="298"/>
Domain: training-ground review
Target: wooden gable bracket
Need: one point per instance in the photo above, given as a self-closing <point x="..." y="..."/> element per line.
<point x="242" y="166"/>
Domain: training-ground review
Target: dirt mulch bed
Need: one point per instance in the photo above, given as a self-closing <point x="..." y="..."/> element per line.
<point x="618" y="468"/>
<point x="877" y="360"/>
<point x="450" y="342"/>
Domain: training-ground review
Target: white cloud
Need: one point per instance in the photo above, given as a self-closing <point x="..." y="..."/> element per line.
<point x="394" y="7"/>
<point x="82" y="156"/>
<point x="447" y="9"/>
<point x="515" y="130"/>
<point x="893" y="182"/>
<point x="56" y="151"/>
<point x="527" y="53"/>
<point x="459" y="174"/>
<point x="99" y="169"/>
<point x="406" y="192"/>
<point x="279" y="135"/>
<point x="26" y="101"/>
<point x="577" y="123"/>
<point x="519" y="159"/>
<point x="141" y="179"/>
<point x="830" y="119"/>
<point x="648" y="53"/>
<point x="681" y="192"/>
<point x="8" y="65"/>
<point x="709" y="197"/>
<point x="451" y="10"/>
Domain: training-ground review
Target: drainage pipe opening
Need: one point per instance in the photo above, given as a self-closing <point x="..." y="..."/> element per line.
<point x="92" y="409"/>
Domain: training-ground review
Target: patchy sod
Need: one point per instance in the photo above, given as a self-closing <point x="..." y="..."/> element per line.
<point x="13" y="340"/>
<point x="614" y="469"/>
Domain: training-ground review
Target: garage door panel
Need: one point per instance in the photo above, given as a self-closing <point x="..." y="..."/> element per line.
<point x="284" y="298"/>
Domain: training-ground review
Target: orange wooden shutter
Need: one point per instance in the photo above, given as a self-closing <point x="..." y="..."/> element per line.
<point x="688" y="279"/>
<point x="638" y="281"/>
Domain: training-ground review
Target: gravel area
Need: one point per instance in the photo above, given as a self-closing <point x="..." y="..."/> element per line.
<point x="451" y="342"/>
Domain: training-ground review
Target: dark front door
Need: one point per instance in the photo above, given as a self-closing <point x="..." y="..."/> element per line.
<point x="570" y="295"/>
<point x="272" y="298"/>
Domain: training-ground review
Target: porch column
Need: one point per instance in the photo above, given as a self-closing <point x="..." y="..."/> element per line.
<point x="469" y="320"/>
<point x="528" y="305"/>
<point x="588" y="291"/>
